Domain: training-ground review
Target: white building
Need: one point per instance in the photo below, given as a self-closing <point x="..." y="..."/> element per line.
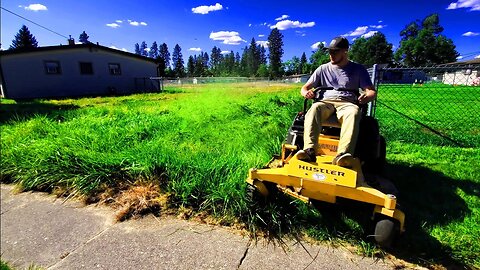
<point x="466" y="73"/>
<point x="73" y="71"/>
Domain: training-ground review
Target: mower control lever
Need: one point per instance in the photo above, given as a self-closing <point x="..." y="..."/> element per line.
<point x="316" y="92"/>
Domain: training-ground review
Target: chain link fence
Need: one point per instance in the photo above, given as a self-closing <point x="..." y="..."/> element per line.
<point x="431" y="105"/>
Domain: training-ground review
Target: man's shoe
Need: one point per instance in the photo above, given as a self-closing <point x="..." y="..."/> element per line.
<point x="343" y="160"/>
<point x="307" y="155"/>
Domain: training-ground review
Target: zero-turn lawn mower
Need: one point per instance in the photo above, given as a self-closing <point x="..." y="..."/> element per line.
<point x="323" y="181"/>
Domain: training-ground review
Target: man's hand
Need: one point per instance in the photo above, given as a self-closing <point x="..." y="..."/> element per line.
<point x="307" y="93"/>
<point x="368" y="96"/>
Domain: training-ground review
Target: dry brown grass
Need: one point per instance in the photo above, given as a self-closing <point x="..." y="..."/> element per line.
<point x="134" y="200"/>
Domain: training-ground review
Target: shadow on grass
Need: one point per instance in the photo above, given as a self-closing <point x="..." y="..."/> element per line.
<point x="428" y="199"/>
<point x="22" y="111"/>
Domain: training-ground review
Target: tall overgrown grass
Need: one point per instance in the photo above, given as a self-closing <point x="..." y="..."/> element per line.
<point x="197" y="142"/>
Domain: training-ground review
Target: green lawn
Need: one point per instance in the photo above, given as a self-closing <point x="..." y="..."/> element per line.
<point x="197" y="142"/>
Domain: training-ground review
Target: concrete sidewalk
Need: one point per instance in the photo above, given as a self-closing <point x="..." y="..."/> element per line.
<point x="40" y="229"/>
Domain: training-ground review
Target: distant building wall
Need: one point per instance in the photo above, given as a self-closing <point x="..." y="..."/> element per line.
<point x="71" y="72"/>
<point x="461" y="77"/>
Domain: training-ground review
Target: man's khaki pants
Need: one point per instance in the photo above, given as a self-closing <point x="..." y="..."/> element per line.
<point x="348" y="115"/>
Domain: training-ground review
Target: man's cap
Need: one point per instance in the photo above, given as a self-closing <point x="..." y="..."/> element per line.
<point x="338" y="43"/>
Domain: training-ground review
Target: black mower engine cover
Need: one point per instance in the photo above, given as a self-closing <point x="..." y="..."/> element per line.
<point x="295" y="132"/>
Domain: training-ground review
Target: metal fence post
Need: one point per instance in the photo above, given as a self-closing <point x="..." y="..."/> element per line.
<point x="371" y="105"/>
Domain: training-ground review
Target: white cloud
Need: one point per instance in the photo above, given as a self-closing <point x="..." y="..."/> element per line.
<point x="378" y="26"/>
<point x="113" y="25"/>
<point x="369" y="34"/>
<point x="35" y="7"/>
<point x="477" y="57"/>
<point x="249" y="25"/>
<point x="470" y="34"/>
<point x="119" y="21"/>
<point x="225" y="52"/>
<point x="261" y="35"/>
<point x="287" y="24"/>
<point x="135" y="23"/>
<point x="206" y="9"/>
<point x="282" y="18"/>
<point x="473" y="5"/>
<point x="316" y="44"/>
<point x="357" y="32"/>
<point x="300" y="33"/>
<point x="262" y="43"/>
<point x="195" y="49"/>
<point x="228" y="37"/>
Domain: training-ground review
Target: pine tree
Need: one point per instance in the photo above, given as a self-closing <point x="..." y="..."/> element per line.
<point x="24" y="39"/>
<point x="199" y="67"/>
<point x="243" y="66"/>
<point x="178" y="64"/>
<point x="263" y="54"/>
<point x="143" y="49"/>
<point x="275" y="46"/>
<point x="190" y="66"/>
<point x="153" y="53"/>
<point x="164" y="54"/>
<point x="83" y="38"/>
<point x="216" y="59"/>
<point x="206" y="64"/>
<point x="237" y="66"/>
<point x="303" y="64"/>
<point x="137" y="49"/>
<point x="253" y="58"/>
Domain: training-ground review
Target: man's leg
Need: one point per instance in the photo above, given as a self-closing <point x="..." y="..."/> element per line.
<point x="320" y="111"/>
<point x="349" y="116"/>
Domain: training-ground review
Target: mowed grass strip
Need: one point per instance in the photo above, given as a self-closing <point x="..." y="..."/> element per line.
<point x="196" y="143"/>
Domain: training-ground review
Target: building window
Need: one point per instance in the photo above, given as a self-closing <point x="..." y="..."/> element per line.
<point x="86" y="68"/>
<point x="114" y="69"/>
<point x="52" y="67"/>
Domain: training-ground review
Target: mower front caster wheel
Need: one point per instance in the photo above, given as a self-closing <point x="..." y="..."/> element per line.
<point x="385" y="232"/>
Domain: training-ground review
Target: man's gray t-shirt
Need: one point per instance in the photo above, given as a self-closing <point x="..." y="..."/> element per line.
<point x="351" y="76"/>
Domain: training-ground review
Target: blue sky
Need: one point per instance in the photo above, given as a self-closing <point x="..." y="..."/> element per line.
<point x="230" y="25"/>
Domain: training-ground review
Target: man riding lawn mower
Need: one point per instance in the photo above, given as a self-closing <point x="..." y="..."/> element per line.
<point x="334" y="149"/>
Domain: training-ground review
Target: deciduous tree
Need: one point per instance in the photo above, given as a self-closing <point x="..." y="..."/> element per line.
<point x="372" y="50"/>
<point x="424" y="45"/>
<point x="319" y="57"/>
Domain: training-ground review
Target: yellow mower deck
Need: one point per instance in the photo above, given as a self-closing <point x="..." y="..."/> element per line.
<point x="323" y="181"/>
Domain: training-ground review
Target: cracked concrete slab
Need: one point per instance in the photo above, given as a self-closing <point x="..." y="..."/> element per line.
<point x="295" y="255"/>
<point x="40" y="229"/>
<point x="153" y="243"/>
